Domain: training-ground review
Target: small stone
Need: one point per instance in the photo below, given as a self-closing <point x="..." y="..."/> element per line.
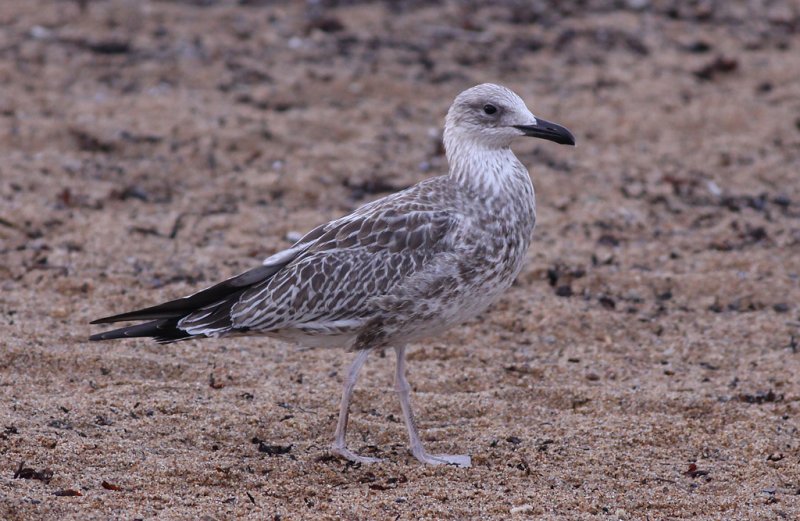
<point x="521" y="509"/>
<point x="638" y="4"/>
<point x="781" y="307"/>
<point x="564" y="291"/>
<point x="40" y="33"/>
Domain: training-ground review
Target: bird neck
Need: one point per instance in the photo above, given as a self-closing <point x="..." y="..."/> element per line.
<point x="486" y="170"/>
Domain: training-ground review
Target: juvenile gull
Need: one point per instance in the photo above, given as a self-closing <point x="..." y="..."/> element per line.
<point x="396" y="270"/>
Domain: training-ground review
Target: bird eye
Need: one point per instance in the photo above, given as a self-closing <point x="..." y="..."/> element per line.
<point x="489" y="109"/>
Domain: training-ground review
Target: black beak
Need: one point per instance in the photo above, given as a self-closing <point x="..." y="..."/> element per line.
<point x="549" y="131"/>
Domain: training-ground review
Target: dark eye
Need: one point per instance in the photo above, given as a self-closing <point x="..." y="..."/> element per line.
<point x="489" y="109"/>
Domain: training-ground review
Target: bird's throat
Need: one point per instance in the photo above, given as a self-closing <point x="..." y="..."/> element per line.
<point x="488" y="171"/>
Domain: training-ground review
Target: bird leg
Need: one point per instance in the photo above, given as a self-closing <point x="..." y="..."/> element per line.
<point x="404" y="391"/>
<point x="339" y="444"/>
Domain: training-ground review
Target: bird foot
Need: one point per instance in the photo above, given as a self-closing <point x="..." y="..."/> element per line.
<point x="352" y="456"/>
<point x="457" y="460"/>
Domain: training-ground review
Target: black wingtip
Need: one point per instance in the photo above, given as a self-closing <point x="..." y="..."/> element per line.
<point x="162" y="331"/>
<point x="163" y="319"/>
<point x="183" y="306"/>
<point x="162" y="311"/>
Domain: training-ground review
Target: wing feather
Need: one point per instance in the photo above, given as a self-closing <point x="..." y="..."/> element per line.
<point x="324" y="281"/>
<point x="357" y="258"/>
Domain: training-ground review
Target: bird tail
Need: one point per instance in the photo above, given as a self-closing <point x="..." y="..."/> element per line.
<point x="209" y="310"/>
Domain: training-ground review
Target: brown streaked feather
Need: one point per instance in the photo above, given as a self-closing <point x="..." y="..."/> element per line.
<point x="342" y="271"/>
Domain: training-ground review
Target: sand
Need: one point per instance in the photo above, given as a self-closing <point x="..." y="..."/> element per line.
<point x="644" y="366"/>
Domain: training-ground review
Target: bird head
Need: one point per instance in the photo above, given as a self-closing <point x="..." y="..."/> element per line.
<point x="492" y="116"/>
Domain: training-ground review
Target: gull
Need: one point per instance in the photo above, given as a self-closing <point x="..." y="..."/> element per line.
<point x="395" y="271"/>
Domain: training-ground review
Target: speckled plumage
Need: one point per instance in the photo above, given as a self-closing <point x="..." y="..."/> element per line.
<point x="396" y="270"/>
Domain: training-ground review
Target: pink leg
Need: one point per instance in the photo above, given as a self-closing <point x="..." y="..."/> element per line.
<point x="339" y="444"/>
<point x="404" y="391"/>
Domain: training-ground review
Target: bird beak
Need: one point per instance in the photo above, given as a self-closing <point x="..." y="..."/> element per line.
<point x="550" y="131"/>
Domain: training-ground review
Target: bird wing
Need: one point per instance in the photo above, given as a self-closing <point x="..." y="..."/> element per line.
<point x="331" y="283"/>
<point x="326" y="287"/>
<point x="212" y="303"/>
<point x="325" y="283"/>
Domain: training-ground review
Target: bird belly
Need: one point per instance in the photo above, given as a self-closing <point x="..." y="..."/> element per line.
<point x="434" y="316"/>
<point x="314" y="338"/>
